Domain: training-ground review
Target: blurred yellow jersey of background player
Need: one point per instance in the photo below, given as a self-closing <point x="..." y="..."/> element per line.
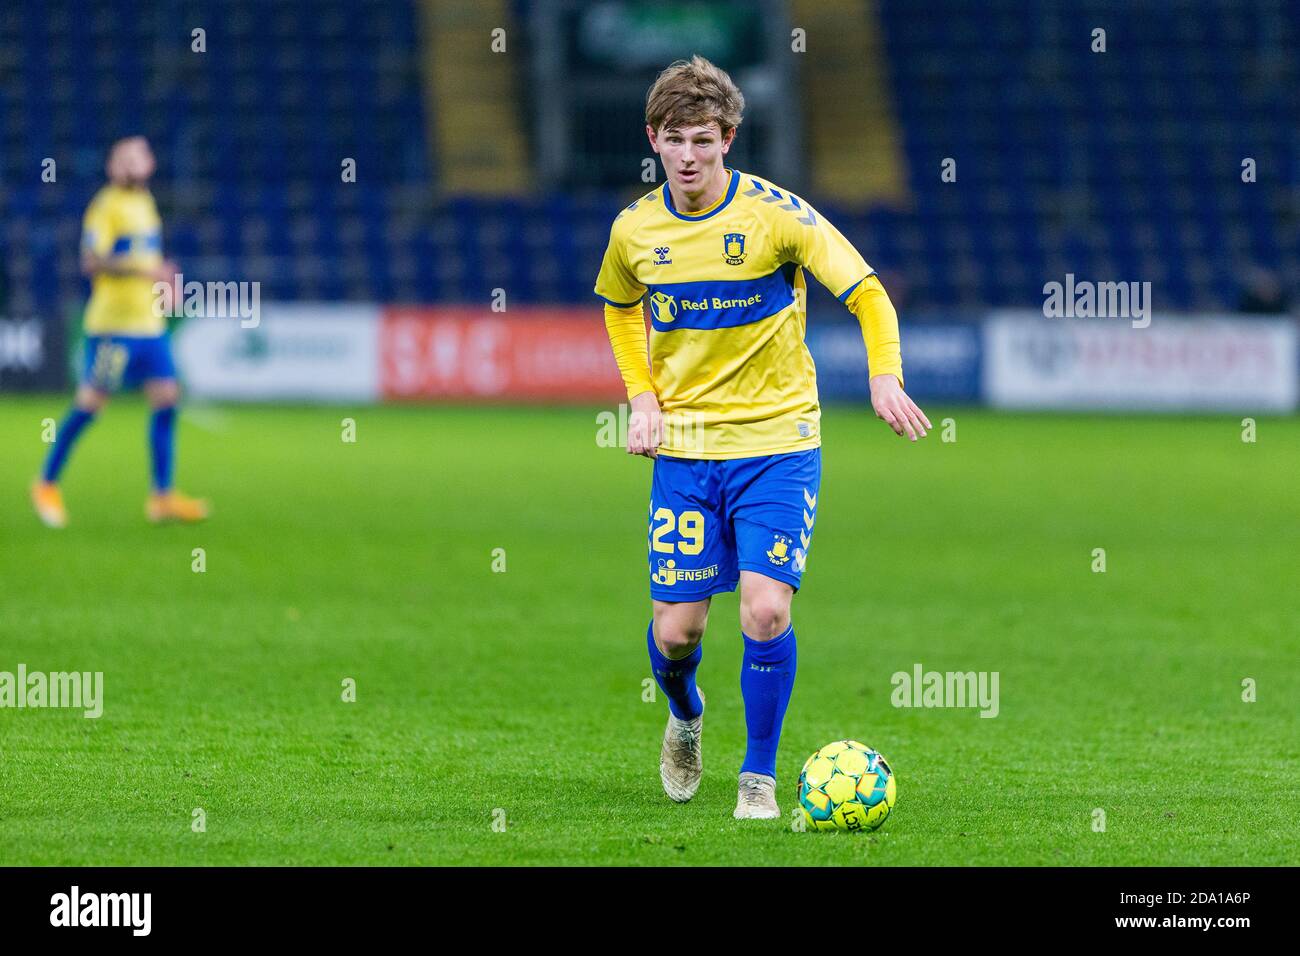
<point x="122" y="222"/>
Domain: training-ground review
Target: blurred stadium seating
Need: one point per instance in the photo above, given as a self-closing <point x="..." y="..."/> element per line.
<point x="249" y="135"/>
<point x="1125" y="164"/>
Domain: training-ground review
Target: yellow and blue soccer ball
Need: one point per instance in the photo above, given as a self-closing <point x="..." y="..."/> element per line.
<point x="846" y="786"/>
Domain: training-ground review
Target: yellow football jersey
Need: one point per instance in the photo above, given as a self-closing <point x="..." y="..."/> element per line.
<point x="123" y="223"/>
<point x="727" y="299"/>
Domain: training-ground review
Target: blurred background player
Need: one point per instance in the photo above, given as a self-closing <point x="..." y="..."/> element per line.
<point x="126" y="332"/>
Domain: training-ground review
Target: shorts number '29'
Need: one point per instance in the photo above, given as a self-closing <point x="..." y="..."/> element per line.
<point x="711" y="519"/>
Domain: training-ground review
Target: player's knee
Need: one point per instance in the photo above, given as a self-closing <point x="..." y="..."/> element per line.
<point x="89" y="399"/>
<point x="765" y="615"/>
<point x="678" y="637"/>
<point x="164" y="394"/>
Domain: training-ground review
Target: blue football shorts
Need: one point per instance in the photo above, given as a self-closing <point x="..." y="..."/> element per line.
<point x="712" y="519"/>
<point x="114" y="362"/>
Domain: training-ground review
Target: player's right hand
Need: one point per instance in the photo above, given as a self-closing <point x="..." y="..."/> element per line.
<point x="645" y="426"/>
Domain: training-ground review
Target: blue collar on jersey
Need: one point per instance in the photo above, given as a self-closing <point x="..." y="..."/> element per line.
<point x="690" y="217"/>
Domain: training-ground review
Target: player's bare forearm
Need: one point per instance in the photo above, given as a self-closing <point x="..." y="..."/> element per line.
<point x="93" y="265"/>
<point x="898" y="411"/>
<point x="645" y="426"/>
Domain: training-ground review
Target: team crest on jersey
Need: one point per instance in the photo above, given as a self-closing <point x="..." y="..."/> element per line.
<point x="733" y="248"/>
<point x="663" y="308"/>
<point x="779" y="553"/>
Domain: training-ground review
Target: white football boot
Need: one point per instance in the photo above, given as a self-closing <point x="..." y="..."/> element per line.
<point x="757" y="798"/>
<point x="680" y="762"/>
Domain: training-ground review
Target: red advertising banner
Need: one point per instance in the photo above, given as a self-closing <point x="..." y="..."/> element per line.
<point x="475" y="353"/>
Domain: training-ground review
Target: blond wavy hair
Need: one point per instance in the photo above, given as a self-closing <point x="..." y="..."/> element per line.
<point x="694" y="92"/>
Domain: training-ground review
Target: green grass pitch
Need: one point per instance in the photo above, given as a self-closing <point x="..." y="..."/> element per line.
<point x="484" y="696"/>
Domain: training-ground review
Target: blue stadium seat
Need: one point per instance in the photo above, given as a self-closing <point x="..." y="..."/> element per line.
<point x="1123" y="165"/>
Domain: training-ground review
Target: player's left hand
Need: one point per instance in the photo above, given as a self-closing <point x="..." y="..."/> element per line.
<point x="165" y="271"/>
<point x="899" y="412"/>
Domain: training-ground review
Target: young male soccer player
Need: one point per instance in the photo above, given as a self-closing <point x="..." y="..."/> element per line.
<point x="126" y="338"/>
<point x="725" y="401"/>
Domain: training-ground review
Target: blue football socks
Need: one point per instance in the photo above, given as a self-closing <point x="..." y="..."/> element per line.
<point x="69" y="429"/>
<point x="162" y="440"/>
<point x="677" y="678"/>
<point x="766" y="682"/>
